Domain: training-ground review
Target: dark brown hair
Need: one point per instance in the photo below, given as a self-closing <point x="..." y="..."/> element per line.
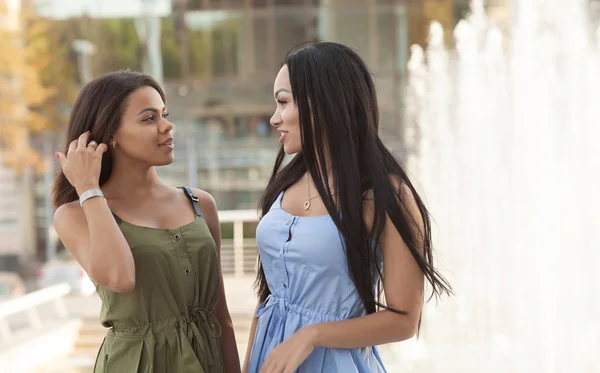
<point x="99" y="109"/>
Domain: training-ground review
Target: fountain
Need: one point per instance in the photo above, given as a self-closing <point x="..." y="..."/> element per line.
<point x="506" y="133"/>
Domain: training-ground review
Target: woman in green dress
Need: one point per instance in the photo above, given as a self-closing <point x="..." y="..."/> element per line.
<point x="152" y="250"/>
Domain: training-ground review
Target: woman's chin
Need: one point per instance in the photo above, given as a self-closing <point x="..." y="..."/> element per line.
<point x="290" y="150"/>
<point x="165" y="161"/>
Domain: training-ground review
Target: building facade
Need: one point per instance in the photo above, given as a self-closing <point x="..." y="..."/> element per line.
<point x="217" y="60"/>
<point x="223" y="105"/>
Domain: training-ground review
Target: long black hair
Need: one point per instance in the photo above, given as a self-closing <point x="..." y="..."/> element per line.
<point x="333" y="89"/>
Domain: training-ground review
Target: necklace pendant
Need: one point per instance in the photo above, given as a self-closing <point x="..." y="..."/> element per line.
<point x="306" y="205"/>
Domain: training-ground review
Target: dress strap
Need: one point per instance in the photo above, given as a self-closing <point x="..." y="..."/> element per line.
<point x="117" y="218"/>
<point x="193" y="199"/>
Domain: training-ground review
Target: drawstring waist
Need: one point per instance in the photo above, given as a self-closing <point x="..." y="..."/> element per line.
<point x="202" y="317"/>
<point x="199" y="326"/>
<point x="206" y="319"/>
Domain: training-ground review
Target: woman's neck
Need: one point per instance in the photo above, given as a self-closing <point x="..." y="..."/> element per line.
<point x="130" y="180"/>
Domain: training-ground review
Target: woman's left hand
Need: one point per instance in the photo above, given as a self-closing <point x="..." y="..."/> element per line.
<point x="287" y="357"/>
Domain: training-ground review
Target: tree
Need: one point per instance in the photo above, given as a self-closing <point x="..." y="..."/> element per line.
<point x="30" y="86"/>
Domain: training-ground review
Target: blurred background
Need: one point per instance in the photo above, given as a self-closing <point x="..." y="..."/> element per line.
<point x="489" y="103"/>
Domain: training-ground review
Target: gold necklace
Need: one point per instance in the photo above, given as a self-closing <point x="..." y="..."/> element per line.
<point x="307" y="202"/>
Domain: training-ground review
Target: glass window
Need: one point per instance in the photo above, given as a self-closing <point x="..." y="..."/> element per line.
<point x="192" y="4"/>
<point x="349" y="3"/>
<point x="234" y="4"/>
<point x="263" y="54"/>
<point x="207" y="4"/>
<point x="118" y="40"/>
<point x="260" y="3"/>
<point x="292" y="28"/>
<point x="387" y="38"/>
<point x="213" y="40"/>
<point x="350" y="26"/>
<point x="288" y="2"/>
<point x="225" y="42"/>
<point x="170" y="48"/>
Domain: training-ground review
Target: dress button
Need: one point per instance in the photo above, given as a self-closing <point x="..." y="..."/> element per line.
<point x="187" y="271"/>
<point x="285" y="285"/>
<point x="177" y="237"/>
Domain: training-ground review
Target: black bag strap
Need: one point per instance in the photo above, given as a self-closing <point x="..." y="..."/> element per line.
<point x="193" y="199"/>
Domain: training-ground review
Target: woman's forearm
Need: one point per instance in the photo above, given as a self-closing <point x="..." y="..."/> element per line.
<point x="110" y="261"/>
<point x="231" y="359"/>
<point x="371" y="330"/>
<point x="250" y="341"/>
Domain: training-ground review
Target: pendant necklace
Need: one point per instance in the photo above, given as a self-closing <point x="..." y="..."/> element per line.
<point x="307" y="202"/>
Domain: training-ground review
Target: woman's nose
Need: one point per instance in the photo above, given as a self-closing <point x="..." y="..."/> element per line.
<point x="275" y="120"/>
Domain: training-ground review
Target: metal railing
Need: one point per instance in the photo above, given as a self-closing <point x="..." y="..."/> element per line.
<point x="28" y="304"/>
<point x="238" y="259"/>
<point x="238" y="255"/>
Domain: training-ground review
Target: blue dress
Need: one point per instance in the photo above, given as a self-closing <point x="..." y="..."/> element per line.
<point x="305" y="265"/>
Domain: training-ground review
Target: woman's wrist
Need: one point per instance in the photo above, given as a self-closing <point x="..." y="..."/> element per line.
<point x="80" y="189"/>
<point x="313" y="334"/>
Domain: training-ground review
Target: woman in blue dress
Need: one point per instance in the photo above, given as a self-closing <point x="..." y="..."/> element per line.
<point x="341" y="226"/>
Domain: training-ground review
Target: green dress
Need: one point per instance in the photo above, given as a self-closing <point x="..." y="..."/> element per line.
<point x="167" y="324"/>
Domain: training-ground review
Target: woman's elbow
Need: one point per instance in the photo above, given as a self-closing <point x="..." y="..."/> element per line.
<point x="412" y="329"/>
<point x="409" y="332"/>
<point x="123" y="286"/>
<point x="118" y="282"/>
<point x="406" y="328"/>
